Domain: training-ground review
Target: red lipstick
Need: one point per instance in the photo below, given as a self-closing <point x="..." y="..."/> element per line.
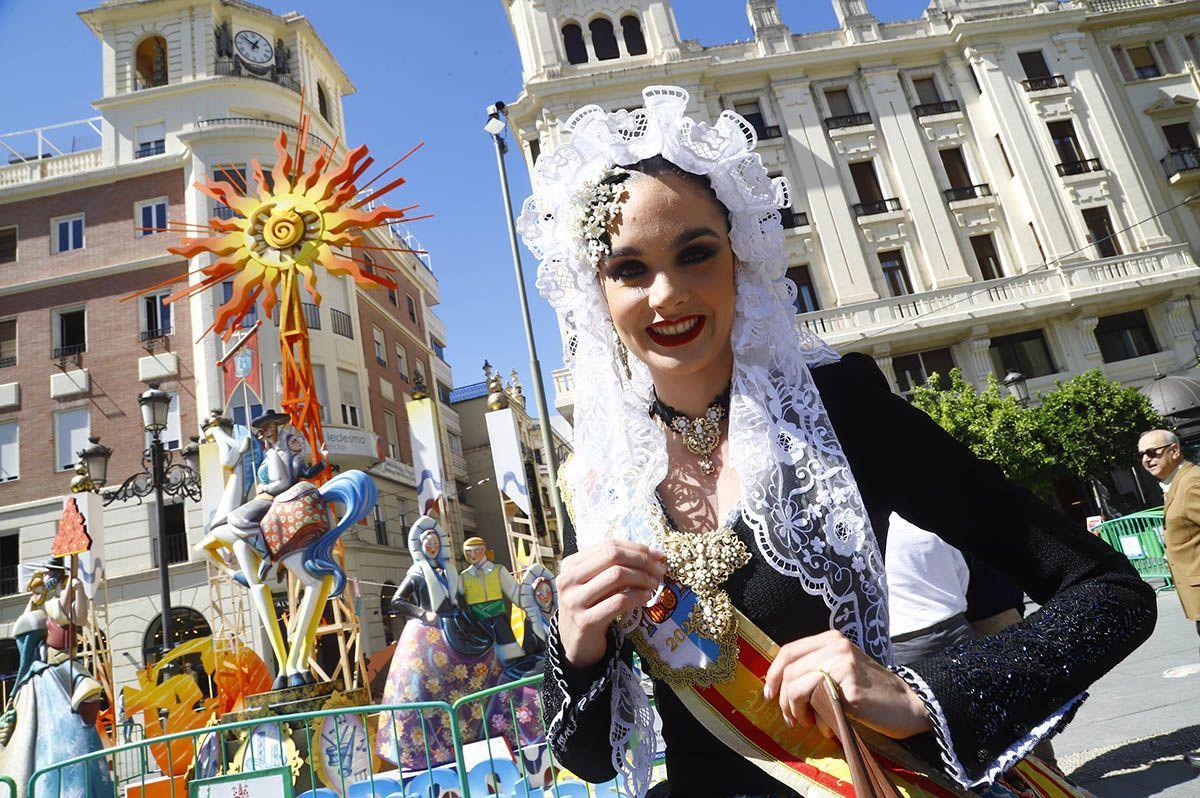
<point x="681" y="331"/>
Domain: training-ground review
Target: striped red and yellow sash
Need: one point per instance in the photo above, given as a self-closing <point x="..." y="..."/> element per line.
<point x="736" y="713"/>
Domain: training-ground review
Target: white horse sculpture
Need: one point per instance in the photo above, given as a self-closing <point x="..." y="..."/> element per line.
<point x="286" y="522"/>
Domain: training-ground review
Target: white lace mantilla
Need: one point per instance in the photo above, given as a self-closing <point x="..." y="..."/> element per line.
<point x="798" y="494"/>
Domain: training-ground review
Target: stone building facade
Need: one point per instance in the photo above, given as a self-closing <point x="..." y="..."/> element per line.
<point x="998" y="185"/>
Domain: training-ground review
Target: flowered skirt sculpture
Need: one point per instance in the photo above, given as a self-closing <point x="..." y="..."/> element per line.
<point x="443" y="654"/>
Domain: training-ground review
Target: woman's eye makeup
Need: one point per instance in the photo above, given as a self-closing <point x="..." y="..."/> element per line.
<point x="696" y="254"/>
<point x="625" y="270"/>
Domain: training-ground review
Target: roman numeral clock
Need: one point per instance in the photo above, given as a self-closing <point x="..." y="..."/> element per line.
<point x="253" y="47"/>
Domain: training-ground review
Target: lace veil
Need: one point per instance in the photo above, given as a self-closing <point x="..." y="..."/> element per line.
<point x="798" y="494"/>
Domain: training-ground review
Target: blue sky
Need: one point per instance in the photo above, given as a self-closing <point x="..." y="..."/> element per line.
<point x="425" y="71"/>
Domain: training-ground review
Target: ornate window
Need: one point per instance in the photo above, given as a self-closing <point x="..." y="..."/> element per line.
<point x="604" y="40"/>
<point x="573" y="44"/>
<point x="150" y="63"/>
<point x="631" y="28"/>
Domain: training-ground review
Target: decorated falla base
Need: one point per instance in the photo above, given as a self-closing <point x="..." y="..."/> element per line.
<point x="274" y="507"/>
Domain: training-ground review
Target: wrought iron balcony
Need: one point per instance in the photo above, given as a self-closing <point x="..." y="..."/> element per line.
<point x="847" y="120"/>
<point x="876" y="207"/>
<point x="968" y="192"/>
<point x="765" y="132"/>
<point x="8" y="580"/>
<point x="314" y="141"/>
<point x="1178" y="161"/>
<point x="72" y="350"/>
<point x="231" y="67"/>
<point x="312" y="315"/>
<point x="940" y="107"/>
<point x="156" y="333"/>
<point x="342" y="324"/>
<point x="1048" y="82"/>
<point x="1079" y="167"/>
<point x="157" y="147"/>
<point x="792" y="218"/>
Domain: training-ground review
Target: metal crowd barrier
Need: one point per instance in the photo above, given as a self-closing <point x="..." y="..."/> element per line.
<point x="498" y="750"/>
<point x="1139" y="536"/>
<point x="10" y="787"/>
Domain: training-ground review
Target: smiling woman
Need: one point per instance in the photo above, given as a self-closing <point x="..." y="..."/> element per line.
<point x="729" y="497"/>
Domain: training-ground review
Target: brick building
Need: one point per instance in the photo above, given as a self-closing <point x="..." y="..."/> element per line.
<point x="181" y="101"/>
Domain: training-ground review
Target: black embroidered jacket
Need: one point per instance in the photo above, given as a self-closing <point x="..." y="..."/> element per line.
<point x="990" y="700"/>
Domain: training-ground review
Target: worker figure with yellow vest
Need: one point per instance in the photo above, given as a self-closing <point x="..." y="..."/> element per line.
<point x="485" y="586"/>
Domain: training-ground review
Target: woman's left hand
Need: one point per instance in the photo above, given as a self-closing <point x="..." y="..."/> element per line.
<point x="871" y="694"/>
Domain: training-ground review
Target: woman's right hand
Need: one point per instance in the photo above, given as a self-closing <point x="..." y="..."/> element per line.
<point x="597" y="584"/>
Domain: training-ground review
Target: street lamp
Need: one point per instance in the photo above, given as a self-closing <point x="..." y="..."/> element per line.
<point x="159" y="475"/>
<point x="1015" y="382"/>
<point x="495" y="127"/>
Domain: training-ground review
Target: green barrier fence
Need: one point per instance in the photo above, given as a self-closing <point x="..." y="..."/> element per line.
<point x="10" y="787"/>
<point x="1139" y="536"/>
<point x="497" y="749"/>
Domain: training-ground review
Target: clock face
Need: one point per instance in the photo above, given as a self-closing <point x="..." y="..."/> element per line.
<point x="254" y="47"/>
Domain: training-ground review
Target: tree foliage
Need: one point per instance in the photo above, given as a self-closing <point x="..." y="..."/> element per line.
<point x="1091" y="424"/>
<point x="1083" y="428"/>
<point x="990" y="422"/>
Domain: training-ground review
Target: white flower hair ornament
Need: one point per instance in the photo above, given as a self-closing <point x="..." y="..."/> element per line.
<point x="798" y="496"/>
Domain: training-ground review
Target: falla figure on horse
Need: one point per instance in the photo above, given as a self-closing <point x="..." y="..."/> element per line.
<point x="287" y="522"/>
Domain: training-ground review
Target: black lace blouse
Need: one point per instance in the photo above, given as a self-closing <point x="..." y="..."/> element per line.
<point x="990" y="700"/>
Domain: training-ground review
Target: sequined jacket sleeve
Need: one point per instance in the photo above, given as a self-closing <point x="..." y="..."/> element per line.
<point x="577" y="702"/>
<point x="993" y="699"/>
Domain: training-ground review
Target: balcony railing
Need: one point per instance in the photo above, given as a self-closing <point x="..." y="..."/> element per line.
<point x="150" y="148"/>
<point x="312" y="315"/>
<point x="1157" y="269"/>
<point x="1185" y="160"/>
<point x="5" y="362"/>
<point x="940" y="107"/>
<point x="1042" y="84"/>
<point x="8" y="580"/>
<point x="792" y="218"/>
<point x="847" y="120"/>
<point x="230" y="67"/>
<point x="978" y="191"/>
<point x="342" y="324"/>
<point x="155" y="334"/>
<point x="68" y="351"/>
<point x="177" y="549"/>
<point x="1079" y="167"/>
<point x="250" y="121"/>
<point x="876" y="207"/>
<point x="765" y="132"/>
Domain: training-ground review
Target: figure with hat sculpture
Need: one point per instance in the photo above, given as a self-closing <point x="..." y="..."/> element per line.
<point x="287" y="523"/>
<point x="485" y="587"/>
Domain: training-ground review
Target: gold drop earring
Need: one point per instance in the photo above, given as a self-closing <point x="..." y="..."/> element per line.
<point x="623" y="355"/>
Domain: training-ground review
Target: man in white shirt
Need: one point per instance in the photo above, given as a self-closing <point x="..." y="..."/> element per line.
<point x="927" y="582"/>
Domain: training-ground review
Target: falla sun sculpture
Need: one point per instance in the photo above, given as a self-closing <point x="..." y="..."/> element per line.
<point x="294" y="223"/>
<point x="278" y="236"/>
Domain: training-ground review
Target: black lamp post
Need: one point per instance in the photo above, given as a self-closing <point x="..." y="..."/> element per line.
<point x="159" y="475"/>
<point x="1016" y="384"/>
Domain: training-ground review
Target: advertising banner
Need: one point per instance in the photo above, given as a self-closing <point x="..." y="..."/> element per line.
<point x="506" y="457"/>
<point x="427" y="455"/>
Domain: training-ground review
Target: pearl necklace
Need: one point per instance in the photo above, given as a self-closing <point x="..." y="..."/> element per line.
<point x="702" y="434"/>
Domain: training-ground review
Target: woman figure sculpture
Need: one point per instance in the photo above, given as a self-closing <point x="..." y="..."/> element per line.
<point x="52" y="710"/>
<point x="720" y="444"/>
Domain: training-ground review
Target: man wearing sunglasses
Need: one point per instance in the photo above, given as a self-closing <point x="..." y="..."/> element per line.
<point x="1162" y="457"/>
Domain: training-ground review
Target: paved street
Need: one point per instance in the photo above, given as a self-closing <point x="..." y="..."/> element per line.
<point x="1129" y="737"/>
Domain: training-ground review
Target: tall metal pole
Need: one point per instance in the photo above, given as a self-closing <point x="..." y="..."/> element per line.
<point x="539" y="391"/>
<point x="164" y="576"/>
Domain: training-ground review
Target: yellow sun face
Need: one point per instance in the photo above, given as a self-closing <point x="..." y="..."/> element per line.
<point x="286" y="228"/>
